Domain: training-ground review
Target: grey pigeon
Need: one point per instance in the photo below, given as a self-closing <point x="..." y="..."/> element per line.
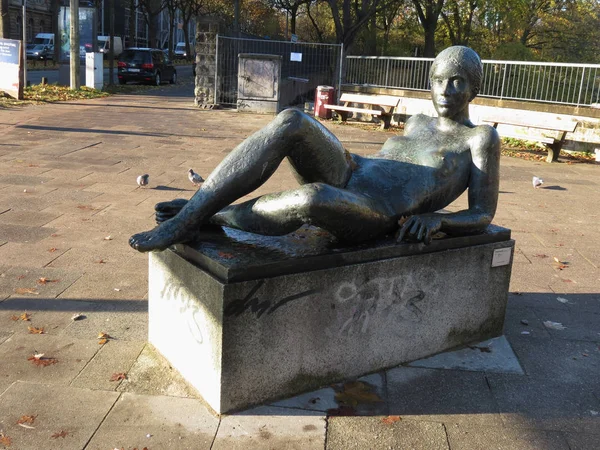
<point x="142" y="180"/>
<point x="537" y="182"/>
<point x="196" y="179"/>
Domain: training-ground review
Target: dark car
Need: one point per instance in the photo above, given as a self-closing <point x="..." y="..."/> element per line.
<point x="145" y="65"/>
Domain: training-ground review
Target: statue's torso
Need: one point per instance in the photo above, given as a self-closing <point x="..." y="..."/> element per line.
<point x="423" y="171"/>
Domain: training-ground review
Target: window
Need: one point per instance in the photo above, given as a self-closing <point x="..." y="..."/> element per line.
<point x="19" y="28"/>
<point x="30" y="31"/>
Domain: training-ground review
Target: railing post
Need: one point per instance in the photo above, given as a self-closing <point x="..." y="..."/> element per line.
<point x="503" y="79"/>
<point x="387" y="69"/>
<point x="216" y="69"/>
<point x="340" y="73"/>
<point x="581" y="86"/>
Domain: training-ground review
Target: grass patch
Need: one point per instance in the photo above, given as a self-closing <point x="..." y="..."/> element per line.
<point x="50" y="93"/>
<point x="534" y="151"/>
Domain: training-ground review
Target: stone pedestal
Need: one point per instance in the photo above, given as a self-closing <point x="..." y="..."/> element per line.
<point x="248" y="319"/>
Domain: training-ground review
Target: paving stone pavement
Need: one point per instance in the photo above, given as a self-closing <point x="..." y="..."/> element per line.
<point x="68" y="204"/>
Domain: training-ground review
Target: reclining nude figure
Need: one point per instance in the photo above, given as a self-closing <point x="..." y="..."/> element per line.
<point x="355" y="198"/>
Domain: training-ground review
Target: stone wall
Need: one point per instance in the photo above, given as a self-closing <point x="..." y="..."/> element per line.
<point x="206" y="37"/>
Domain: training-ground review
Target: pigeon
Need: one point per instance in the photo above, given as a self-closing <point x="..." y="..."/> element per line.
<point x="537" y="182"/>
<point x="142" y="180"/>
<point x="196" y="179"/>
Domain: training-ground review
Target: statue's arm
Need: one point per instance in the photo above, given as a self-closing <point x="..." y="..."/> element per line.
<point x="482" y="194"/>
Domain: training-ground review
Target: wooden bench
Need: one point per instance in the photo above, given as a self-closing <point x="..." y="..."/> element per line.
<point x="544" y="122"/>
<point x="386" y="103"/>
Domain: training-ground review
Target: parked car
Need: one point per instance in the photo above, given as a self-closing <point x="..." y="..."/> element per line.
<point x="179" y="51"/>
<point x="146" y="65"/>
<point x="39" y="51"/>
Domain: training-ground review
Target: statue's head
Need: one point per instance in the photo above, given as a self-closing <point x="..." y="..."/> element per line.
<point x="464" y="58"/>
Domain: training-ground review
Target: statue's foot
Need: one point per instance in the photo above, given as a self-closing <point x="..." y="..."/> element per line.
<point x="168" y="210"/>
<point x="155" y="240"/>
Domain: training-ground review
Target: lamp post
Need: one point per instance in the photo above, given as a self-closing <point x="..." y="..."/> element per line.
<point x="74" y="38"/>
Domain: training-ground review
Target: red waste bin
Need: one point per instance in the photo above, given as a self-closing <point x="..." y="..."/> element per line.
<point x="324" y="95"/>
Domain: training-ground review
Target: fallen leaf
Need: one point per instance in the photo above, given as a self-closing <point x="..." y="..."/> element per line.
<point x="554" y="325"/>
<point x="102" y="341"/>
<point x="29" y="427"/>
<point x="22" y="291"/>
<point x="15" y="318"/>
<point x="44" y="280"/>
<point x="39" y="360"/>
<point x="54" y="235"/>
<point x="4" y="439"/>
<point x="108" y="238"/>
<point x="26" y="419"/>
<point x="35" y="330"/>
<point x="101" y="261"/>
<point x="20" y="277"/>
<point x="103" y="335"/>
<point x="61" y="434"/>
<point x="357" y="392"/>
<point x="391" y="419"/>
<point x="541" y="255"/>
<point x="118" y="376"/>
<point x="52" y="250"/>
<point x="77" y="316"/>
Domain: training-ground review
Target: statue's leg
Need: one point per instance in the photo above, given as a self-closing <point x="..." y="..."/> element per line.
<point x="314" y="152"/>
<point x="347" y="215"/>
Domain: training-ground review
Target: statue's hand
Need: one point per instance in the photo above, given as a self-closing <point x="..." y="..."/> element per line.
<point x="167" y="210"/>
<point x="419" y="228"/>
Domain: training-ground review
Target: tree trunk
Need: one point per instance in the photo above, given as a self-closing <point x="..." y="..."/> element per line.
<point x="429" y="50"/>
<point x="4" y="20"/>
<point x="171" y="30"/>
<point x="111" y="50"/>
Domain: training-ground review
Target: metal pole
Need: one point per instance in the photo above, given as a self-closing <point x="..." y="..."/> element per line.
<point x="581" y="87"/>
<point x="340" y="73"/>
<point x="103" y="18"/>
<point x="24" y="43"/>
<point x="216" y="68"/>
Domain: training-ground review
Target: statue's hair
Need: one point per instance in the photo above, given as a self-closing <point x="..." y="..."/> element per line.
<point x="465" y="58"/>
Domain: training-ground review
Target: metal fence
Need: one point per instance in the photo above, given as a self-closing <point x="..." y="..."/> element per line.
<point x="570" y="84"/>
<point x="319" y="65"/>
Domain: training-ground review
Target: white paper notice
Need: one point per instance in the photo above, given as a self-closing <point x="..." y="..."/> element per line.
<point x="296" y="57"/>
<point x="501" y="257"/>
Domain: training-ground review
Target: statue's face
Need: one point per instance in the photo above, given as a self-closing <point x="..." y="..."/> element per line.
<point x="451" y="89"/>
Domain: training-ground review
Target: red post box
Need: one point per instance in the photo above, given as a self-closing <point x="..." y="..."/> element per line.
<point x="325" y="95"/>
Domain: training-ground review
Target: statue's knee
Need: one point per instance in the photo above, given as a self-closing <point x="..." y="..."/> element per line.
<point x="290" y="116"/>
<point x="315" y="197"/>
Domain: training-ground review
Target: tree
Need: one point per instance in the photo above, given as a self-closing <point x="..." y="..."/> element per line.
<point x="291" y="7"/>
<point x="458" y="18"/>
<point x="349" y="16"/>
<point x="428" y="12"/>
<point x="151" y="10"/>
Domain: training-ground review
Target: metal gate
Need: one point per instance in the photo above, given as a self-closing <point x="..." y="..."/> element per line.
<point x="304" y="67"/>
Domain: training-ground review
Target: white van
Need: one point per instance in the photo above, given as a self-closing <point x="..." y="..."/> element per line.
<point x="104" y="45"/>
<point x="44" y="39"/>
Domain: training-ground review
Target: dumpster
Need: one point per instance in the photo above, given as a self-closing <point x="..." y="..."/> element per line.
<point x="325" y="95"/>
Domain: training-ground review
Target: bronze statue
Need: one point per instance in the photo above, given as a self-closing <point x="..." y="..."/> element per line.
<point x="355" y="198"/>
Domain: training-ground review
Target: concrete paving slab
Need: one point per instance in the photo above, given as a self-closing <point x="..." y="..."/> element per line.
<point x="151" y="374"/>
<point x="354" y="433"/>
<point x="46" y="313"/>
<point x="484" y="438"/>
<point x="57" y="409"/>
<point x="493" y="355"/>
<point x="123" y="320"/>
<point x="108" y="283"/>
<point x="441" y="396"/>
<point x="327" y="398"/>
<point x="4" y="335"/>
<point x="269" y="427"/>
<point x="114" y="357"/>
<point x="30" y="256"/>
<point x="156" y="422"/>
<point x="27" y="218"/>
<point x="557" y="359"/>
<point x="546" y="300"/>
<point x="524" y="322"/>
<point x="44" y="282"/>
<point x="21" y="233"/>
<point x="577" y="327"/>
<point x="546" y="404"/>
<point x="582" y="302"/>
<point x="71" y="354"/>
<point x="583" y="441"/>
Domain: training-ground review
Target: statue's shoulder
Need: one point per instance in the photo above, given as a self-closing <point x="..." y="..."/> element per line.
<point x="486" y="137"/>
<point x="416" y="122"/>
